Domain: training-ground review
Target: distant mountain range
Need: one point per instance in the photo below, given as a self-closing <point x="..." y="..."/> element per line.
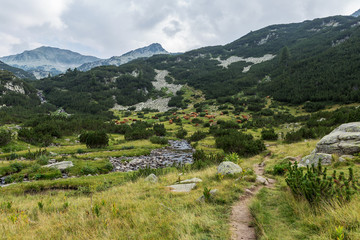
<point x="47" y="60"/>
<point x="144" y="52"/>
<point x="44" y="61"/>
<point x="16" y="71"/>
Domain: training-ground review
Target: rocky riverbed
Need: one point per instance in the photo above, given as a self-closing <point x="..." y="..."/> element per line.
<point x="179" y="152"/>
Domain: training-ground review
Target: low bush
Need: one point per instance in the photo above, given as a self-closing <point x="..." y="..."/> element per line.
<point x="159" y="129"/>
<point x="316" y="186"/>
<point x="269" y="134"/>
<point x="240" y="143"/>
<point x="95" y="139"/>
<point x="5" y="137"/>
<point x="181" y="133"/>
<point x="159" y="140"/>
<point x="281" y="168"/>
<point x="197" y="136"/>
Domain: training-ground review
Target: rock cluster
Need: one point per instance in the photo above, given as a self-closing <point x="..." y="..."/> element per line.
<point x="344" y="140"/>
<point x="180" y="152"/>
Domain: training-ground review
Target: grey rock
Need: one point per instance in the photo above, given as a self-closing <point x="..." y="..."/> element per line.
<point x="192" y="180"/>
<point x="152" y="178"/>
<point x="262" y="180"/>
<point x="344" y="140"/>
<point x="314" y="158"/>
<point x="61" y="165"/>
<point x="182" y="187"/>
<point x="227" y="167"/>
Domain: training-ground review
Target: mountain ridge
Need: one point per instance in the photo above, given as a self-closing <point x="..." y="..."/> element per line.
<point x="144" y="52"/>
<point x="46" y="60"/>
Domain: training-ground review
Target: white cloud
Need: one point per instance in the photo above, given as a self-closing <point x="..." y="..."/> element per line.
<point x="111" y="27"/>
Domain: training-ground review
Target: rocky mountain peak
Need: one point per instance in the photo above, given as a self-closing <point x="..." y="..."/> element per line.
<point x="356" y="14"/>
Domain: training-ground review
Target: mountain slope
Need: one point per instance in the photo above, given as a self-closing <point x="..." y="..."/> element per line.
<point x="144" y="52"/>
<point x="47" y="60"/>
<point x="16" y="92"/>
<point x="356" y="14"/>
<point x="237" y="67"/>
<point x="309" y="61"/>
<point x="16" y="71"/>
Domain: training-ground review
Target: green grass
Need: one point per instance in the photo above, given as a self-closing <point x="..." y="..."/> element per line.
<point x="132" y="210"/>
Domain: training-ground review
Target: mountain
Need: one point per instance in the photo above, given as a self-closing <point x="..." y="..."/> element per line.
<point x="144" y="52"/>
<point x="16" y="71"/>
<point x="315" y="61"/>
<point x="356" y="14"/>
<point x="47" y="60"/>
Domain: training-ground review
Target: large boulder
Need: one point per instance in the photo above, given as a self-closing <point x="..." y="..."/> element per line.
<point x="227" y="167"/>
<point x="344" y="140"/>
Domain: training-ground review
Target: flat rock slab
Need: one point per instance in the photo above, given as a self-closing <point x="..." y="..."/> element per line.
<point x="192" y="180"/>
<point x="182" y="187"/>
<point x="61" y="165"/>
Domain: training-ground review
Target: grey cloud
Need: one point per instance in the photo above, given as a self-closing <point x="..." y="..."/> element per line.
<point x="173" y="28"/>
<point x="112" y="27"/>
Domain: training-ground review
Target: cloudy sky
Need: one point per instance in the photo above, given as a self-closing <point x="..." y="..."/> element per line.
<point x="112" y="27"/>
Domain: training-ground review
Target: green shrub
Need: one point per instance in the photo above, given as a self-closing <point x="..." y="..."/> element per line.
<point x="281" y="168"/>
<point x="240" y="143"/>
<point x="316" y="186"/>
<point x="159" y="129"/>
<point x="94" y="139"/>
<point x="197" y="120"/>
<point x="158" y="140"/>
<point x="202" y="160"/>
<point x="181" y="133"/>
<point x="269" y="134"/>
<point x="86" y="170"/>
<point x="197" y="136"/>
<point x="5" y="137"/>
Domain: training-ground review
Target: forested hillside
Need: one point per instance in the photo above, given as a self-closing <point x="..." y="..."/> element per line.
<point x="313" y="61"/>
<point x="99" y="89"/>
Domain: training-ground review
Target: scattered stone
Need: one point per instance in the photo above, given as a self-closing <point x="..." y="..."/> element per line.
<point x="61" y="165"/>
<point x="314" y="158"/>
<point x="248" y="191"/>
<point x="152" y="178"/>
<point x="178" y="153"/>
<point x="227" y="167"/>
<point x="182" y="187"/>
<point x="51" y="161"/>
<point x="192" y="180"/>
<point x="262" y="180"/>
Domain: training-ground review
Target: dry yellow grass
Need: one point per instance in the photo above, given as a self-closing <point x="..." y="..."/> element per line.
<point x="135" y="210"/>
